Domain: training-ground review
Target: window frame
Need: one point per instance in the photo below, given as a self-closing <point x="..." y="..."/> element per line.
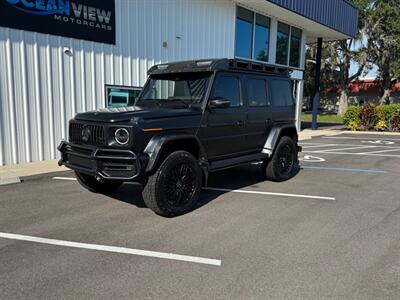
<point x="301" y="50"/>
<point x="253" y="35"/>
<point x="290" y="46"/>
<point x="121" y="87"/>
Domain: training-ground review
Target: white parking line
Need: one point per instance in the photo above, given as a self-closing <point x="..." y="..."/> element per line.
<point x="318" y="145"/>
<point x="350" y="153"/>
<point x="270" y="193"/>
<point x="381" y="151"/>
<point x="245" y="191"/>
<point x="65" y="178"/>
<point x="369" y="137"/>
<point x="351" y="148"/>
<point x="170" y="256"/>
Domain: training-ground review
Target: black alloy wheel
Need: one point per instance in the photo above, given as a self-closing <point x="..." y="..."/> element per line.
<point x="175" y="187"/>
<point x="180" y="185"/>
<point x="284" y="162"/>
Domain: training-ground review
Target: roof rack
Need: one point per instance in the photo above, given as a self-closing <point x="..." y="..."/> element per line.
<point x="240" y="64"/>
<point x="209" y="65"/>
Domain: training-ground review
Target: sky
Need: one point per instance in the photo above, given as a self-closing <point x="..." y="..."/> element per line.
<point x="354" y="66"/>
<point x="370" y="75"/>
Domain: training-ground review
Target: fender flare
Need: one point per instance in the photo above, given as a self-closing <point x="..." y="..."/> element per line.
<point x="274" y="136"/>
<point x="157" y="143"/>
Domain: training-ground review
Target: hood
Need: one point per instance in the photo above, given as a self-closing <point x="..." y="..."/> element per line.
<point x="141" y="114"/>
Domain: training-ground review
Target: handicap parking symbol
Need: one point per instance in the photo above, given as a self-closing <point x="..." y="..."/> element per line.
<point x="310" y="158"/>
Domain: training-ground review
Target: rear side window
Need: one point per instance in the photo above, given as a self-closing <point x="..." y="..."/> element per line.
<point x="227" y="87"/>
<point x="257" y="92"/>
<point x="281" y="93"/>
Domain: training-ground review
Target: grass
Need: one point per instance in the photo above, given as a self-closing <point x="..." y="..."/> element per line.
<point x="306" y="117"/>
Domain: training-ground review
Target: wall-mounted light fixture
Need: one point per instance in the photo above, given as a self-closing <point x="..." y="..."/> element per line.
<point x="68" y="52"/>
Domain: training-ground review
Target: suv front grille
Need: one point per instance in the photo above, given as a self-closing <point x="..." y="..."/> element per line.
<point x="96" y="136"/>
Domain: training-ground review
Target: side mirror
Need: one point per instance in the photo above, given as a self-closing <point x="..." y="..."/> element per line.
<point x="219" y="103"/>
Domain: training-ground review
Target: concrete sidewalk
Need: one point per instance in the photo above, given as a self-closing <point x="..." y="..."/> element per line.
<point x="14" y="173"/>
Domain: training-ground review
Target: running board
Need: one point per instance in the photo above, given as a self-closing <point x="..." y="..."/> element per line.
<point x="232" y="162"/>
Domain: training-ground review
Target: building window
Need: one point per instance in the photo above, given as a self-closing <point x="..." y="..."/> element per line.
<point x="244" y="32"/>
<point x="295" y="47"/>
<point x="282" y="43"/>
<point x="121" y="96"/>
<point x="261" y="38"/>
<point x="252" y="35"/>
<point x="288" y="45"/>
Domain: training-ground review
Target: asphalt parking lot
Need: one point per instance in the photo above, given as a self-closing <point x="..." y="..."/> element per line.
<point x="333" y="231"/>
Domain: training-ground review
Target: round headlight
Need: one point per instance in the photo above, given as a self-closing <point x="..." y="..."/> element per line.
<point x="121" y="136"/>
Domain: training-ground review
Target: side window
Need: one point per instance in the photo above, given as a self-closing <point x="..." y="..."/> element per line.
<point x="281" y="93"/>
<point x="228" y="88"/>
<point x="257" y="92"/>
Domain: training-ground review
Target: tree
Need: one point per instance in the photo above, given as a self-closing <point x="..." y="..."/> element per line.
<point x="342" y="53"/>
<point x="383" y="30"/>
<point x="337" y="57"/>
<point x="345" y="51"/>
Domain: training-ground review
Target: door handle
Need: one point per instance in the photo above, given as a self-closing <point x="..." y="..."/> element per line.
<point x="239" y="123"/>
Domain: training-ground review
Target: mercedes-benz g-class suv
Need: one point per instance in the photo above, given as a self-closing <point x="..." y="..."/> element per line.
<point x="191" y="118"/>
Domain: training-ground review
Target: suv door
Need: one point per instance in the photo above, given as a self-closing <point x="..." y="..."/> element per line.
<point x="258" y="116"/>
<point x="225" y="126"/>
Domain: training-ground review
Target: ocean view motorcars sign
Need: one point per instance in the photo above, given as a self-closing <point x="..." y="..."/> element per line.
<point x="91" y="20"/>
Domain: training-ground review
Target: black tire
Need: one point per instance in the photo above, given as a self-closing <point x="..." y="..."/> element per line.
<point x="95" y="185"/>
<point x="175" y="187"/>
<point x="284" y="162"/>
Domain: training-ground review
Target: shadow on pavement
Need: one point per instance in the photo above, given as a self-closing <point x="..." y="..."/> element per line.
<point x="234" y="178"/>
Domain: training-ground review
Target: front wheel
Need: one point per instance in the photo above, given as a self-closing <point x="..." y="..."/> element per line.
<point x="175" y="187"/>
<point x="284" y="162"/>
<point x="97" y="185"/>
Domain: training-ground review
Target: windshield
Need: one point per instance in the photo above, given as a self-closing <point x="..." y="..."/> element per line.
<point x="175" y="90"/>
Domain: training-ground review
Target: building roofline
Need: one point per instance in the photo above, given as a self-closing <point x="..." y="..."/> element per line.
<point x="302" y="8"/>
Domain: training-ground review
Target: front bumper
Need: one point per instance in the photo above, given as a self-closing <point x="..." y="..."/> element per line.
<point x="106" y="163"/>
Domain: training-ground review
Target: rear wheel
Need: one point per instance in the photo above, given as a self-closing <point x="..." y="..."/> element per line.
<point x="284" y="162"/>
<point x="97" y="185"/>
<point x="175" y="187"/>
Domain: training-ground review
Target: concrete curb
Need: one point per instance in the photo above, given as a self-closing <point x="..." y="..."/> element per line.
<point x="371" y="132"/>
<point x="308" y="134"/>
<point x="13" y="173"/>
<point x="9" y="180"/>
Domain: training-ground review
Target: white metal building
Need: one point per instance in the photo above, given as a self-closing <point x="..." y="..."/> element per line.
<point x="46" y="78"/>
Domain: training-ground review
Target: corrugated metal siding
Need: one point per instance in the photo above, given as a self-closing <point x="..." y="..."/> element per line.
<point x="41" y="88"/>
<point x="339" y="15"/>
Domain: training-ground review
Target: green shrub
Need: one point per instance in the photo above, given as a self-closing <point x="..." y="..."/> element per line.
<point x="354" y="125"/>
<point x="381" y="125"/>
<point x="386" y="112"/>
<point x="352" y="115"/>
<point x="368" y="116"/>
<point x="395" y="122"/>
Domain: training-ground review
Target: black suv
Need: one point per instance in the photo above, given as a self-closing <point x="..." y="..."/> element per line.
<point x="191" y="118"/>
